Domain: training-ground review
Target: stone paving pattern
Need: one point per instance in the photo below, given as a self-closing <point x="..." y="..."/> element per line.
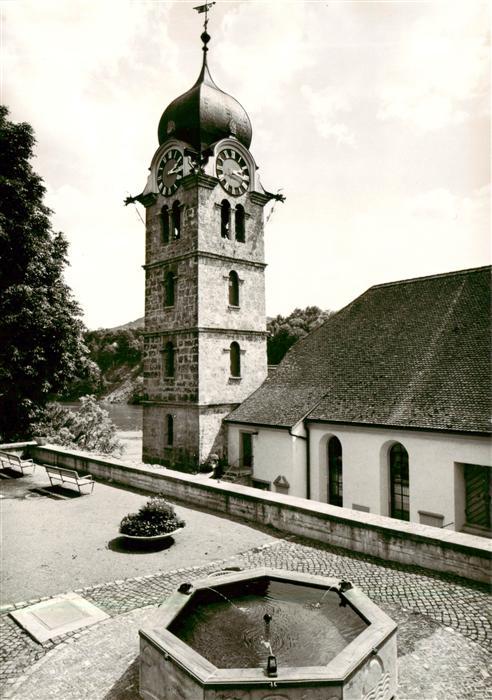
<point x="445" y="628"/>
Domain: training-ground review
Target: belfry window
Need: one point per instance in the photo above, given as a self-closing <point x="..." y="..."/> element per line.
<point x="233" y="289"/>
<point x="169" y="360"/>
<point x="225" y="219"/>
<point x="235" y="356"/>
<point x="399" y="483"/>
<point x="169" y="288"/>
<point x="335" y="474"/>
<point x="165" y="224"/>
<point x="176" y="220"/>
<point x="239" y="218"/>
<point x="170" y="430"/>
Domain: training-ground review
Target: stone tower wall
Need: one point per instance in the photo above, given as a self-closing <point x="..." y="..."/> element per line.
<point x="201" y="323"/>
<point x="216" y="383"/>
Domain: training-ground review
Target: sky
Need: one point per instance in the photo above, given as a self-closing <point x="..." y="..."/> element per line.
<point x="372" y="118"/>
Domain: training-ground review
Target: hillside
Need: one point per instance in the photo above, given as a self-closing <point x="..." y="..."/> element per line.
<point x="116" y="354"/>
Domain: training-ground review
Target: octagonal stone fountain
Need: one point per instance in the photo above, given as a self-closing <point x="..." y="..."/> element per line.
<point x="267" y="634"/>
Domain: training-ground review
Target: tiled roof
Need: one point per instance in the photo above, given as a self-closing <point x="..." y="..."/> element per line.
<point x="414" y="354"/>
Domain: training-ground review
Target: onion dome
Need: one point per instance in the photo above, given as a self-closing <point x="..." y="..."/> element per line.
<point x="205" y="114"/>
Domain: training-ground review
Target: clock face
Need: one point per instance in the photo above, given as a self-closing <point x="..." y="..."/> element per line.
<point x="170" y="171"/>
<point x="232" y="171"/>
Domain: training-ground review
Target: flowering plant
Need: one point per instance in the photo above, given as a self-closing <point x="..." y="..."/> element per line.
<point x="156" y="517"/>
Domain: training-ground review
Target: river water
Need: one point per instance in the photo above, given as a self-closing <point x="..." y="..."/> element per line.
<point x="128" y="421"/>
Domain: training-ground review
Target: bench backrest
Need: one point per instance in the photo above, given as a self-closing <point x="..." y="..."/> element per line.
<point x="62" y="472"/>
<point x="10" y="457"/>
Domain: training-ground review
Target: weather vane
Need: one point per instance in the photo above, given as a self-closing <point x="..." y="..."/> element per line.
<point x="205" y="37"/>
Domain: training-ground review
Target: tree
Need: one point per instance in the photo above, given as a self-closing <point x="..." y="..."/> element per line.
<point x="285" y="331"/>
<point x="41" y="347"/>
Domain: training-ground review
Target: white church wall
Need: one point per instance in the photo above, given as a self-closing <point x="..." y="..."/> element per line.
<point x="435" y="471"/>
<point x="275" y="453"/>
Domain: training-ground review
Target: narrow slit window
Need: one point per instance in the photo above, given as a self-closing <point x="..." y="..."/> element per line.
<point x="170" y="430"/>
<point x="225" y="219"/>
<point x="176" y="220"/>
<point x="165" y="224"/>
<point x="235" y="354"/>
<point x="239" y="217"/>
<point x="233" y="289"/>
<point x="169" y="354"/>
<point x="169" y="289"/>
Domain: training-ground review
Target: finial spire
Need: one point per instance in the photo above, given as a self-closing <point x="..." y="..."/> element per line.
<point x="205" y="36"/>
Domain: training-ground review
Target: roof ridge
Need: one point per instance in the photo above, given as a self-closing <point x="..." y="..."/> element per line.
<point x="430" y="277"/>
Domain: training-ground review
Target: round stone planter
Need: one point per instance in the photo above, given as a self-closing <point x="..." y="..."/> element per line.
<point x="150" y="538"/>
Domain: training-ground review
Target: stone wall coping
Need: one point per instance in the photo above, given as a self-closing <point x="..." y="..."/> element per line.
<point x="18" y="445"/>
<point x="391" y="527"/>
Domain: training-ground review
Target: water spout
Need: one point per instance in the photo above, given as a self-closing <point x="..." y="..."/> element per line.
<point x="228" y="600"/>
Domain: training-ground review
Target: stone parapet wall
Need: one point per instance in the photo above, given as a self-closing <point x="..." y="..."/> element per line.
<point x="375" y="535"/>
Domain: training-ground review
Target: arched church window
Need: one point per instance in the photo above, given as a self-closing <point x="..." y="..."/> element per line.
<point x="335" y="472"/>
<point x="233" y="289"/>
<point x="235" y="355"/>
<point x="399" y="483"/>
<point x="239" y="218"/>
<point x="169" y="288"/>
<point x="170" y="430"/>
<point x="169" y="354"/>
<point x="176" y="220"/>
<point x="225" y="219"/>
<point x="165" y="224"/>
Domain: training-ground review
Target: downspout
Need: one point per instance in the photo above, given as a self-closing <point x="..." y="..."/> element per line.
<point x="308" y="459"/>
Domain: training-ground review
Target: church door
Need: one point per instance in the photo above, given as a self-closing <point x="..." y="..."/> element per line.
<point x="477" y="495"/>
<point x="246" y="450"/>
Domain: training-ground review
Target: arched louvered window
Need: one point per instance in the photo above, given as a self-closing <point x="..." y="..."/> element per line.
<point x="225" y="219"/>
<point x="335" y="473"/>
<point x="169" y="288"/>
<point x="170" y="430"/>
<point x="169" y="359"/>
<point x="176" y="220"/>
<point x="235" y="355"/>
<point x="239" y="222"/>
<point x="165" y="224"/>
<point x="233" y="289"/>
<point x="399" y="483"/>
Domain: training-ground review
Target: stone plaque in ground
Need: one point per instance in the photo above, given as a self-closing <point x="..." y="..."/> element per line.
<point x="57" y="616"/>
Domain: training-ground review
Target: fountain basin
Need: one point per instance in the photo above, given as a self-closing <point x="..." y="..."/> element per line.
<point x="211" y="642"/>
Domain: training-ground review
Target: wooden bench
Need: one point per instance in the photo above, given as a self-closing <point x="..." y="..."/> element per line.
<point x="11" y="461"/>
<point x="69" y="476"/>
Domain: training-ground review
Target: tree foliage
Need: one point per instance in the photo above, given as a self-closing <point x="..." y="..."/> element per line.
<point x="112" y="347"/>
<point x="115" y="356"/>
<point x="90" y="428"/>
<point x="284" y="331"/>
<point x="41" y="348"/>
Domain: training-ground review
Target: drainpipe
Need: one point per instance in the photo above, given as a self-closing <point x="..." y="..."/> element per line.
<point x="308" y="458"/>
<point x="308" y="462"/>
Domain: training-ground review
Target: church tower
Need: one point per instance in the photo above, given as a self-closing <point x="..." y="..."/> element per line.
<point x="205" y="325"/>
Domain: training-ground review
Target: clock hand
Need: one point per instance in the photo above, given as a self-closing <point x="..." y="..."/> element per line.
<point x="238" y="174"/>
<point x="174" y="170"/>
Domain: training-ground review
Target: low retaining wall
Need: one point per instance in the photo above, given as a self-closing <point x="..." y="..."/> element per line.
<point x="376" y="535"/>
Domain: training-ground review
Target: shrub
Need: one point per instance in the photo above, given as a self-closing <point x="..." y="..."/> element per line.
<point x="90" y="428"/>
<point x="156" y="517"/>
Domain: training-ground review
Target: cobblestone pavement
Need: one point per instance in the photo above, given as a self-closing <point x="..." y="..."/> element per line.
<point x="444" y="636"/>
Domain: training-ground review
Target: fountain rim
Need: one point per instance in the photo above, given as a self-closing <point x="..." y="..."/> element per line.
<point x="379" y="630"/>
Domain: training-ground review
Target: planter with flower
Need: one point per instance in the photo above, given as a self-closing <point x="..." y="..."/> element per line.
<point x="155" y="520"/>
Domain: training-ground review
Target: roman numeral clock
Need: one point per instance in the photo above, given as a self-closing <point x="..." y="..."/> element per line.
<point x="205" y="323"/>
<point x="169" y="171"/>
<point x="232" y="171"/>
